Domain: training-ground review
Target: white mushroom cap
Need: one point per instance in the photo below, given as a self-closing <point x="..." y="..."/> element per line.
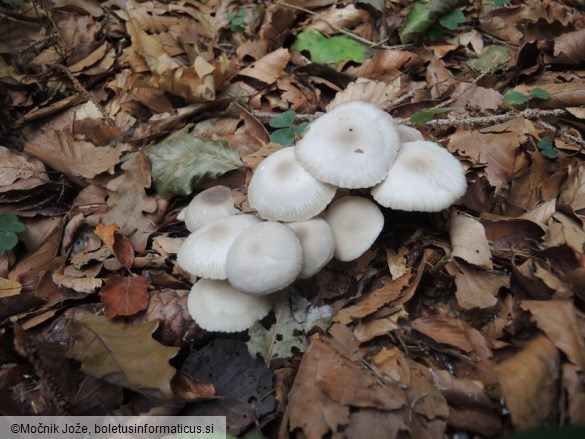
<point x="409" y="134"/>
<point x="216" y="306"/>
<point x="318" y="244"/>
<point x="266" y="258"/>
<point x="207" y="206"/>
<point x="281" y="189"/>
<point x="424" y="178"/>
<point x="352" y="146"/>
<point x="204" y="252"/>
<point x="356" y="223"/>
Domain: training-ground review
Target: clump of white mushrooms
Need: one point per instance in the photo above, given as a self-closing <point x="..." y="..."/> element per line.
<point x="241" y="259"/>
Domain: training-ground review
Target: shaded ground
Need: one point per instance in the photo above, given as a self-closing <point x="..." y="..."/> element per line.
<point x="468" y="321"/>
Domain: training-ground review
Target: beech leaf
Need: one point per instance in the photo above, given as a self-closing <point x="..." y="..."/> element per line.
<point x="181" y="163"/>
<point x="124" y="296"/>
<point x="122" y="354"/>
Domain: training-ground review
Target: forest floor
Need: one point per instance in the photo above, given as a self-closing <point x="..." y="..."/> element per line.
<point x="469" y="322"/>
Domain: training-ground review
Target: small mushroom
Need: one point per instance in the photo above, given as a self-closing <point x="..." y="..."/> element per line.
<point x="281" y="190"/>
<point x="318" y="244"/>
<point x="352" y="146"/>
<point x="204" y="252"/>
<point x="207" y="206"/>
<point x="356" y="223"/>
<point x="216" y="306"/>
<point x="409" y="134"/>
<point x="265" y="258"/>
<point x="425" y="177"/>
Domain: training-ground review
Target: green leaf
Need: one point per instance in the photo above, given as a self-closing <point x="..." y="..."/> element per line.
<point x="283" y="136"/>
<point x="332" y="50"/>
<point x="498" y="3"/>
<point x="422" y="16"/>
<point x="492" y="57"/>
<point x="284" y="120"/>
<point x="299" y="130"/>
<point x="539" y="93"/>
<point x="295" y="317"/>
<point x="452" y="20"/>
<point x="515" y="98"/>
<point x="9" y="227"/>
<point x="423" y="116"/>
<point x="181" y="163"/>
<point x="547" y="147"/>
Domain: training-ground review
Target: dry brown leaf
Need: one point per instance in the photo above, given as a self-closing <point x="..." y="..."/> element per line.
<point x="566" y="94"/>
<point x="19" y="172"/>
<point x="374" y="92"/>
<point x="347" y="17"/>
<point x="575" y="386"/>
<point x="386" y="64"/>
<point x="372" y="302"/>
<point x="128" y="201"/>
<point x="479" y="97"/>
<point x="268" y="68"/>
<point x="528" y="381"/>
<point x="573" y="192"/>
<point x="75" y="158"/>
<point x="106" y="234"/>
<point x="366" y="330"/>
<point x="558" y="320"/>
<point x="569" y="48"/>
<point x="81" y="285"/>
<point x="9" y="287"/>
<point x="124" y="296"/>
<point x="190" y="389"/>
<point x="397" y="262"/>
<point x="122" y="354"/>
<point x="476" y="288"/>
<point x="469" y="241"/>
<point x="494" y="146"/>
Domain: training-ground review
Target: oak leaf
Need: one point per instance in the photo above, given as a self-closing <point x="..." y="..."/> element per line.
<point x="122" y="354"/>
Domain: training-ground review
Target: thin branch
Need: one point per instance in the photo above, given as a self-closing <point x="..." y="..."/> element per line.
<point x="531" y="114"/>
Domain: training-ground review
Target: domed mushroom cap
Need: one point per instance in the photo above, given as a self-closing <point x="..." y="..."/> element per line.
<point x="318" y="244"/>
<point x="425" y="177"/>
<point x="409" y="134"/>
<point x="281" y="189"/>
<point x="216" y="306"/>
<point x="204" y="252"/>
<point x="207" y="206"/>
<point x="266" y="258"/>
<point x="356" y="223"/>
<point x="352" y="146"/>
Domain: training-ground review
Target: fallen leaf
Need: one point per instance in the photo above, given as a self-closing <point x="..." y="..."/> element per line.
<point x="295" y="318"/>
<point x="20" y="172"/>
<point x="9" y="287"/>
<point x="268" y="68"/>
<point x="180" y="163"/>
<point x="106" y="234"/>
<point x="569" y="48"/>
<point x="242" y="384"/>
<point x="192" y="390"/>
<point x="124" y="296"/>
<point x="122" y="354"/>
<point x="469" y="241"/>
<point x="558" y="320"/>
<point x="375" y="92"/>
<point x="528" y="381"/>
<point x="476" y="288"/>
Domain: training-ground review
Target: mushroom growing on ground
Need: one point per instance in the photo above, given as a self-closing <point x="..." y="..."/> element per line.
<point x="425" y="177"/>
<point x="265" y="258"/>
<point x="204" y="252"/>
<point x="356" y="223"/>
<point x="216" y="306"/>
<point x="318" y="244"/>
<point x="207" y="206"/>
<point x="281" y="190"/>
<point x="351" y="147"/>
<point x="409" y="134"/>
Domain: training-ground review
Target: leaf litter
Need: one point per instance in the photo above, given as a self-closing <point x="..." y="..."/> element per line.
<point x="469" y="321"/>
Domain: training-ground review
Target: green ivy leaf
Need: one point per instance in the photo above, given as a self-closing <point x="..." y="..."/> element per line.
<point x="9" y="227"/>
<point x="539" y="93"/>
<point x="284" y="120"/>
<point x="283" y="136"/>
<point x="515" y="98"/>
<point x="181" y="163"/>
<point x="452" y="20"/>
<point x="423" y="116"/>
<point x="332" y="50"/>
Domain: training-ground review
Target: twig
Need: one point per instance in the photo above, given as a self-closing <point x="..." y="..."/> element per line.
<point x="561" y="133"/>
<point x="531" y="114"/>
<point x="342" y="30"/>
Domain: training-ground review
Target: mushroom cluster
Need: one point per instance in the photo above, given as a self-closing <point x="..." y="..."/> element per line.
<point x="241" y="258"/>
